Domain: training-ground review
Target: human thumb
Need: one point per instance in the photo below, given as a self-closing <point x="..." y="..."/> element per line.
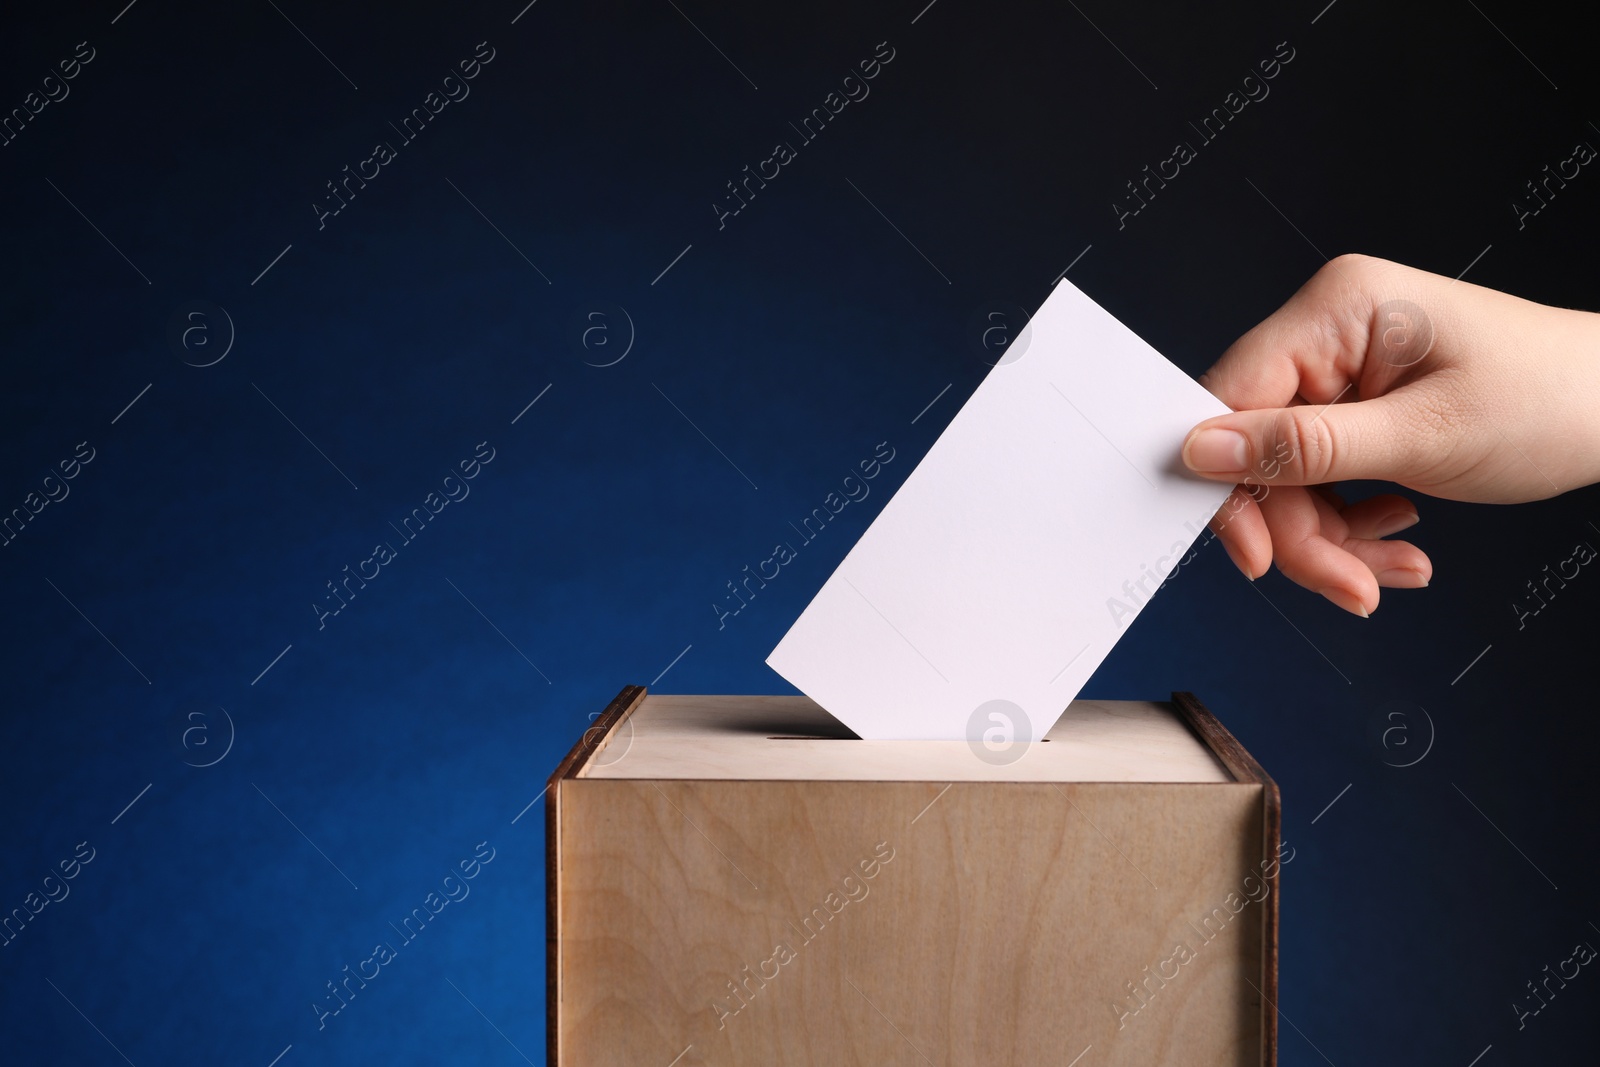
<point x="1309" y="445"/>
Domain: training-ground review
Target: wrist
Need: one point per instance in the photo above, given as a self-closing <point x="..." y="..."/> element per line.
<point x="1574" y="398"/>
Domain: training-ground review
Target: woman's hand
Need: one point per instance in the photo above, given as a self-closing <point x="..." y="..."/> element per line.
<point x="1375" y="370"/>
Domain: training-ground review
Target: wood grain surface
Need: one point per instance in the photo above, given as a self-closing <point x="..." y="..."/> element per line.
<point x="861" y="917"/>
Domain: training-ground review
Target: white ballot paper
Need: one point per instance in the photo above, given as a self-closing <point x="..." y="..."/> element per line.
<point x="1022" y="546"/>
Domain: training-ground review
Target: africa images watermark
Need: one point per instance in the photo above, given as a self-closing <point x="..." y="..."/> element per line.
<point x="1541" y="190"/>
<point x="410" y="528"/>
<point x="1212" y="925"/>
<point x="455" y="889"/>
<point x="1582" y="954"/>
<point x="855" y="90"/>
<point x="53" y="89"/>
<point x="455" y="90"/>
<point x="1552" y="583"/>
<point x="55" y="890"/>
<point x="855" y="490"/>
<point x="55" y="490"/>
<point x="1139" y="590"/>
<point x="744" y="986"/>
<point x="1211" y="126"/>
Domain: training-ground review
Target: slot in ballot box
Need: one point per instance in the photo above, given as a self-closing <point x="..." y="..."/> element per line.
<point x="739" y="880"/>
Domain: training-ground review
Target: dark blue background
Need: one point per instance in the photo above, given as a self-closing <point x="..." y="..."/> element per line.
<point x="806" y="331"/>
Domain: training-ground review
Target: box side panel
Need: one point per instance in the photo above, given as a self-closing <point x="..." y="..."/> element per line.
<point x="596" y="739"/>
<point x="1271" y="846"/>
<point x="838" y="923"/>
<point x="1244" y="767"/>
<point x="552" y="921"/>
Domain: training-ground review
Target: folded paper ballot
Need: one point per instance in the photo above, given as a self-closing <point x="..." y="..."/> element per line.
<point x="1036" y="528"/>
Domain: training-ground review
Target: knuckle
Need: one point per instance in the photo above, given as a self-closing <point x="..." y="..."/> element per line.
<point x="1304" y="444"/>
<point x="1343" y="273"/>
<point x="1350" y="263"/>
<point x="1338" y="306"/>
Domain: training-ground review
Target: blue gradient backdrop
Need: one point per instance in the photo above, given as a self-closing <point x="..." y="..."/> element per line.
<point x="379" y="351"/>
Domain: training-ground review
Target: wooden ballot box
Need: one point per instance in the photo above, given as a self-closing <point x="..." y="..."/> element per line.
<point x="739" y="880"/>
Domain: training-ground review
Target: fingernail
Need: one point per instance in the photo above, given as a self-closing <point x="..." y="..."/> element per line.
<point x="1217" y="450"/>
<point x="1393" y="524"/>
<point x="1402" y="578"/>
<point x="1345" y="600"/>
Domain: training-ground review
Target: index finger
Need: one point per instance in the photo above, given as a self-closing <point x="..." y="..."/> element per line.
<point x="1314" y="347"/>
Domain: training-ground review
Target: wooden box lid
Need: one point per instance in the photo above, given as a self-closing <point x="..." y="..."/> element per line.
<point x="792" y="738"/>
